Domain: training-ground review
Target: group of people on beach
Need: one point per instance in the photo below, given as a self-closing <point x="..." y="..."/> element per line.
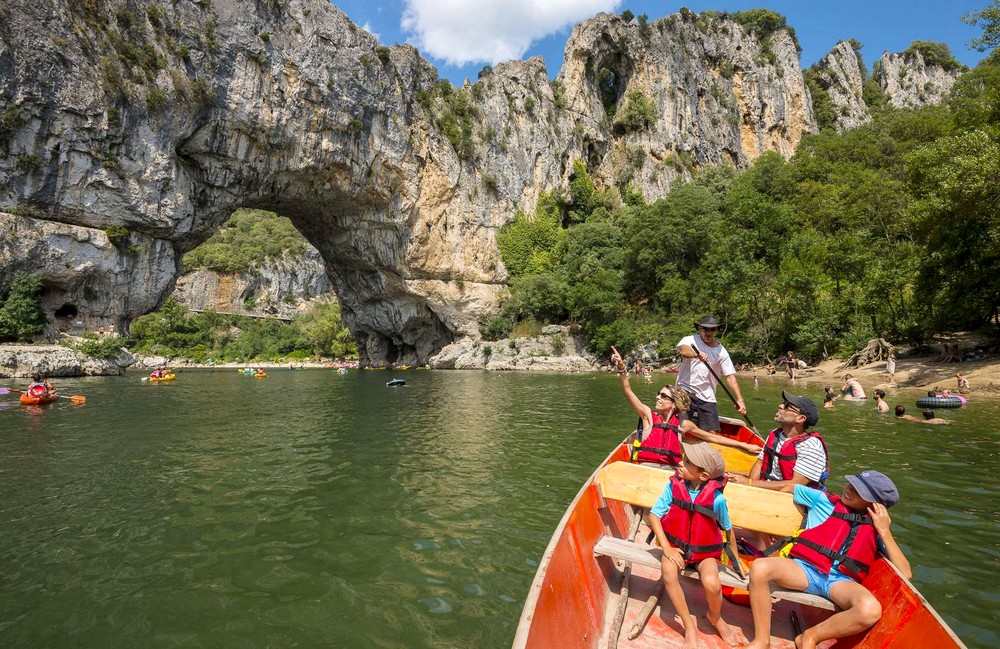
<point x="842" y="536"/>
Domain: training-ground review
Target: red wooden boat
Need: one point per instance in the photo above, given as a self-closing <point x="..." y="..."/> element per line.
<point x="575" y="599"/>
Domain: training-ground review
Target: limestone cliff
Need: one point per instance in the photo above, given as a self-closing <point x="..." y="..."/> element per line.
<point x="129" y="131"/>
<point x="909" y="82"/>
<point x="276" y="288"/>
<point x="839" y="73"/>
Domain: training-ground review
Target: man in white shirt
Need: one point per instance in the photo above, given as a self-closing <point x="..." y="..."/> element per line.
<point x="701" y="352"/>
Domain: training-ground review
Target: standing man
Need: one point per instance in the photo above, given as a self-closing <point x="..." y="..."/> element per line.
<point x="699" y="353"/>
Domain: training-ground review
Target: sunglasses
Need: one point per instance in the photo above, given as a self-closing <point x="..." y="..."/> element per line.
<point x="664" y="395"/>
<point x="791" y="407"/>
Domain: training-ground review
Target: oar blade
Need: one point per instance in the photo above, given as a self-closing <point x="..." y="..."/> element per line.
<point x="77" y="398"/>
<point x="4" y="390"/>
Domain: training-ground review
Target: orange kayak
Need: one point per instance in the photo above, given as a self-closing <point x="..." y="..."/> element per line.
<point x="574" y="598"/>
<point x="38" y="401"/>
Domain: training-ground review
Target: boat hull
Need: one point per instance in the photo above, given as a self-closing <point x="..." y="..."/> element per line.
<point x="38" y="401"/>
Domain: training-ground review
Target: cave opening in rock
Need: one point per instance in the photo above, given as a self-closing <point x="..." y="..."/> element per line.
<point x="67" y="311"/>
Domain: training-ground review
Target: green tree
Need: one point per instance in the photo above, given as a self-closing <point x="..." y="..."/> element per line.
<point x="990" y="20"/>
<point x="21" y="316"/>
<point x="323" y="329"/>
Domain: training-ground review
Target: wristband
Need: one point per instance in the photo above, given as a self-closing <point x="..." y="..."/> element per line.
<point x="749" y="482"/>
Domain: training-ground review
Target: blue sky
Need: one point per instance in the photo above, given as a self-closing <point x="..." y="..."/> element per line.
<point x="461" y="36"/>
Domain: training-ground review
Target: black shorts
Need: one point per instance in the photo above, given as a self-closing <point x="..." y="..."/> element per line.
<point x="705" y="414"/>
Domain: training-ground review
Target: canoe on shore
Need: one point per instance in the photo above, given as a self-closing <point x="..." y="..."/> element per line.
<point x="575" y="603"/>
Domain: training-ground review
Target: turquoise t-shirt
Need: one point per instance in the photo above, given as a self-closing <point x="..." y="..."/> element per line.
<point x="718" y="505"/>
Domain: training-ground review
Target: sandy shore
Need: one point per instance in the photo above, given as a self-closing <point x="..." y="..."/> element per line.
<point x="923" y="373"/>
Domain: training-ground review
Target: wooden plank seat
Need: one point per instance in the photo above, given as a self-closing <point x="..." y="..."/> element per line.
<point x="750" y="508"/>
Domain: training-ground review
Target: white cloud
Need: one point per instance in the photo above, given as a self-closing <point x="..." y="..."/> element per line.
<point x="474" y="31"/>
<point x="368" y="28"/>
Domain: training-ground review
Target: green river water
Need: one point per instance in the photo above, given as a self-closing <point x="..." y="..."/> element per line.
<point x="311" y="509"/>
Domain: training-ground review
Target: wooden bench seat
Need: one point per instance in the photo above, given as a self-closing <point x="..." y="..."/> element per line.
<point x="750" y="508"/>
<point x="649" y="556"/>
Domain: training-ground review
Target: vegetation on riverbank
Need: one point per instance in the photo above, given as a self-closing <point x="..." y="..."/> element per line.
<point x="173" y="332"/>
<point x="888" y="229"/>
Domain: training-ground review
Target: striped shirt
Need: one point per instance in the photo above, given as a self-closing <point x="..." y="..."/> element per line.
<point x="811" y="460"/>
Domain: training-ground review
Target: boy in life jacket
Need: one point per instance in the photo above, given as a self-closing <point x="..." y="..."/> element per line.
<point x="687" y="521"/>
<point x="665" y="425"/>
<point x="843" y="537"/>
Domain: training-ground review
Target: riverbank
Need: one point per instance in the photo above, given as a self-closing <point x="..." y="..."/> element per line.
<point x="916" y="373"/>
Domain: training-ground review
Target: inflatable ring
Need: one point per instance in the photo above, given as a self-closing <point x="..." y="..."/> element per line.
<point x="939" y="402"/>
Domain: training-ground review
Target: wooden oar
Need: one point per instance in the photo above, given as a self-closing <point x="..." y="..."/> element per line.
<point x="724" y="387"/>
<point x="75" y="398"/>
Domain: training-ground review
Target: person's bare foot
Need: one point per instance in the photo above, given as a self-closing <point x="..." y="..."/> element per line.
<point x="727" y="632"/>
<point x="691" y="634"/>
<point x="759" y="644"/>
<point x="802" y="642"/>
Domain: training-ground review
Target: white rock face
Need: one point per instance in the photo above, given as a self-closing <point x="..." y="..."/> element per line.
<point x="556" y="350"/>
<point x="289" y="107"/>
<point x="840" y="73"/>
<point x="910" y="83"/>
<point x="17" y="361"/>
<point x="277" y="288"/>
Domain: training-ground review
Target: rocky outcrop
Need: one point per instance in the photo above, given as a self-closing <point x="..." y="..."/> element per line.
<point x="909" y="82"/>
<point x="18" y="361"/>
<point x="839" y="73"/>
<point x="279" y="288"/>
<point x="154" y="121"/>
<point x="555" y="350"/>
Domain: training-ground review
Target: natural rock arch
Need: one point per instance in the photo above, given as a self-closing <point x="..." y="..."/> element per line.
<point x="130" y="131"/>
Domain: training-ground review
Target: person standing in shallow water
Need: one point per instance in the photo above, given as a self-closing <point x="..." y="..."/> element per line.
<point x="694" y="377"/>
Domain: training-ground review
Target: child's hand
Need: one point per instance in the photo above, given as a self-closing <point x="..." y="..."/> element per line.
<point x="674" y="556"/>
<point x="880" y="518"/>
<point x="753" y="449"/>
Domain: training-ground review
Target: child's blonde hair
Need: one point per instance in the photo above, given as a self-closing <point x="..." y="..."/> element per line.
<point x="681" y="399"/>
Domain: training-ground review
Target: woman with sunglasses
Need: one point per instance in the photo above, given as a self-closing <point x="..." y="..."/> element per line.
<point x="666" y="423"/>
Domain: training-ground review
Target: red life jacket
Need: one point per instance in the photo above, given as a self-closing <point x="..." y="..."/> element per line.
<point x="787" y="455"/>
<point x="37" y="390"/>
<point x="846" y="536"/>
<point x="663" y="444"/>
<point x="693" y="526"/>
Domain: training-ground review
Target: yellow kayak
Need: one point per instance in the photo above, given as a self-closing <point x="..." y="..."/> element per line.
<point x="165" y="377"/>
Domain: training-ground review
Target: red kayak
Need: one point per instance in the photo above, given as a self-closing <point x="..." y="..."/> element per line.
<point x="574" y="601"/>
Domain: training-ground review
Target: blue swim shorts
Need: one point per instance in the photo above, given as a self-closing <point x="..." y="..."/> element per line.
<point x="819" y="584"/>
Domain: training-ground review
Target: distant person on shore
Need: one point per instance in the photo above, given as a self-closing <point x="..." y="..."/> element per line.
<point x="929" y="418"/>
<point x="963" y="383"/>
<point x="694" y="377"/>
<point x="688" y="521"/>
<point x="901" y="414"/>
<point x="791" y="364"/>
<point x="756" y="379"/>
<point x="880" y="401"/>
<point x="819" y="564"/>
<point x="829" y="396"/>
<point x="666" y="424"/>
<point x="852" y="388"/>
<point x="890" y="367"/>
